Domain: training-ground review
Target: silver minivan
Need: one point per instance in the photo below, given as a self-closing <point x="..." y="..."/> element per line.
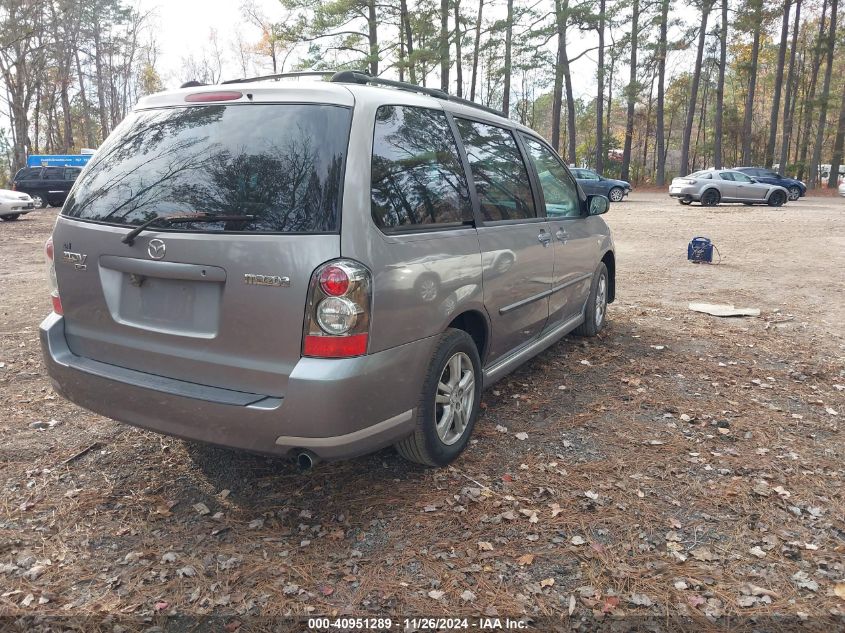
<point x="317" y="268"/>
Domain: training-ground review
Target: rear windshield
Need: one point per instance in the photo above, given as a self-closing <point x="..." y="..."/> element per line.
<point x="280" y="163"/>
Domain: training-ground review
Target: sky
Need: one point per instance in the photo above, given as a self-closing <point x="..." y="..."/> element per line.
<point x="182" y="28"/>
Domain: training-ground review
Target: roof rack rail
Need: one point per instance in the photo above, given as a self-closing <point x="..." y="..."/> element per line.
<point x="357" y="77"/>
<point x="302" y="73"/>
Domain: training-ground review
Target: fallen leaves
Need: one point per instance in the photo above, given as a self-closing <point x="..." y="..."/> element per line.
<point x="527" y="559"/>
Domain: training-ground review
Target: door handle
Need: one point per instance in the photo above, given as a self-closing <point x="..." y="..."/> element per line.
<point x="561" y="235"/>
<point x="544" y="238"/>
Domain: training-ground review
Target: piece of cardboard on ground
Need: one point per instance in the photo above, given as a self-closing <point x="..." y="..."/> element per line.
<point x="723" y="309"/>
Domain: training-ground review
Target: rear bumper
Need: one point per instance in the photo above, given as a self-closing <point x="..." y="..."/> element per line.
<point x="684" y="192"/>
<point x="336" y="408"/>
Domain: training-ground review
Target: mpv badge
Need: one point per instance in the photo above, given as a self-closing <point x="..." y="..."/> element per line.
<point x="77" y="260"/>
<point x="267" y="280"/>
<point x="156" y="249"/>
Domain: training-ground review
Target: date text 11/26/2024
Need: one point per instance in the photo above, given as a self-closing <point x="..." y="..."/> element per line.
<point x="416" y="624"/>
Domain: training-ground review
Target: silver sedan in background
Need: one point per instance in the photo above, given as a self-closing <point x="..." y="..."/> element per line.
<point x="712" y="186"/>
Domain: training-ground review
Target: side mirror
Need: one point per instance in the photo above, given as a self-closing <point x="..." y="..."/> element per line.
<point x="597" y="204"/>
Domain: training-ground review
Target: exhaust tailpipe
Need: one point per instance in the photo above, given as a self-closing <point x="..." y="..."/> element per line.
<point x="306" y="460"/>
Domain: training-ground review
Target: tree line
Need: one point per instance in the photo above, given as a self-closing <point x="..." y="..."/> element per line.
<point x="679" y="86"/>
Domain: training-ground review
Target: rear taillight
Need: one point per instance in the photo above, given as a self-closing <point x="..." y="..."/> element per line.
<point x="337" y="317"/>
<point x="51" y="277"/>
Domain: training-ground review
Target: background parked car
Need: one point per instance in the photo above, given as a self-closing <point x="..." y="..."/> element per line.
<point x="592" y="183"/>
<point x="796" y="188"/>
<point x="46" y="185"/>
<point x="712" y="186"/>
<point x="842" y="190"/>
<point x="14" y="204"/>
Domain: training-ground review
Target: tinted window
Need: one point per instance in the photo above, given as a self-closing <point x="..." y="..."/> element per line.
<point x="28" y="173"/>
<point x="499" y="173"/>
<point x="586" y="174"/>
<point x="700" y="174"/>
<point x="280" y="164"/>
<point x="417" y="176"/>
<point x="560" y="193"/>
<point x="71" y="173"/>
<point x="726" y="175"/>
<point x="740" y="177"/>
<point x="52" y="173"/>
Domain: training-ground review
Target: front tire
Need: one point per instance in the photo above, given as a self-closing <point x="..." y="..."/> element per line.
<point x="616" y="194"/>
<point x="40" y="203"/>
<point x="777" y="199"/>
<point x="11" y="217"/>
<point x="449" y="402"/>
<point x="710" y="198"/>
<point x="794" y="192"/>
<point x="596" y="312"/>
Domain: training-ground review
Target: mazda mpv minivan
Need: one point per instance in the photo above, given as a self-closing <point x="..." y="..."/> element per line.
<point x="317" y="268"/>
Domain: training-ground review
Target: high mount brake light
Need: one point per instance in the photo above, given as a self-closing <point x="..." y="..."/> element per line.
<point x="220" y="95"/>
<point x="337" y="317"/>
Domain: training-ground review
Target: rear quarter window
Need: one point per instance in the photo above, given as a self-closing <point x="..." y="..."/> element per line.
<point x="28" y="173"/>
<point x="417" y="177"/>
<point x="282" y="164"/>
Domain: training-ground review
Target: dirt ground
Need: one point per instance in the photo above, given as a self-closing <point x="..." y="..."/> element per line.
<point x="678" y="465"/>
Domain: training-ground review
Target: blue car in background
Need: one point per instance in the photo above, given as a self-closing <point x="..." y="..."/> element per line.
<point x="796" y="188"/>
<point x="592" y="183"/>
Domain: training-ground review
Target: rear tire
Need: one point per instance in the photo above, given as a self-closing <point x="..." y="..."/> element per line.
<point x="777" y="199"/>
<point x="710" y="198"/>
<point x="11" y="217"/>
<point x="794" y="192"/>
<point x="595" y="315"/>
<point x="440" y="437"/>
<point x="616" y="194"/>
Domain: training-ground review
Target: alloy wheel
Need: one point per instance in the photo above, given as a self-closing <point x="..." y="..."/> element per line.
<point x="794" y="193"/>
<point x="616" y="194"/>
<point x="601" y="300"/>
<point x="454" y="398"/>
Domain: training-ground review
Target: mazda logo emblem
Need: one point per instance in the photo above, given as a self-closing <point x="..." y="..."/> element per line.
<point x="156" y="249"/>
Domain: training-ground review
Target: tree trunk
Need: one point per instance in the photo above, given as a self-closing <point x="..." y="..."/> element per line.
<point x="660" y="148"/>
<point x="810" y="96"/>
<point x="409" y="40"/>
<point x="836" y="161"/>
<point x="720" y="88"/>
<point x="600" y="96"/>
<point x="790" y="93"/>
<point x="506" y="91"/>
<point x="773" y="119"/>
<point x="752" y="84"/>
<point x="825" y="97"/>
<point x="557" y="92"/>
<point x="372" y="32"/>
<point x="632" y="91"/>
<point x="459" y="71"/>
<point x="693" y="96"/>
<point x="570" y="107"/>
<point x="475" y="48"/>
<point x="443" y="49"/>
<point x="101" y="81"/>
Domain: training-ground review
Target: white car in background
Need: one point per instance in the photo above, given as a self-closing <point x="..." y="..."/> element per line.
<point x="14" y="204"/>
<point x="842" y="190"/>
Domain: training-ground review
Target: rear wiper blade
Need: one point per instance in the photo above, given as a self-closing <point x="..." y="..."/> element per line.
<point x="164" y="220"/>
